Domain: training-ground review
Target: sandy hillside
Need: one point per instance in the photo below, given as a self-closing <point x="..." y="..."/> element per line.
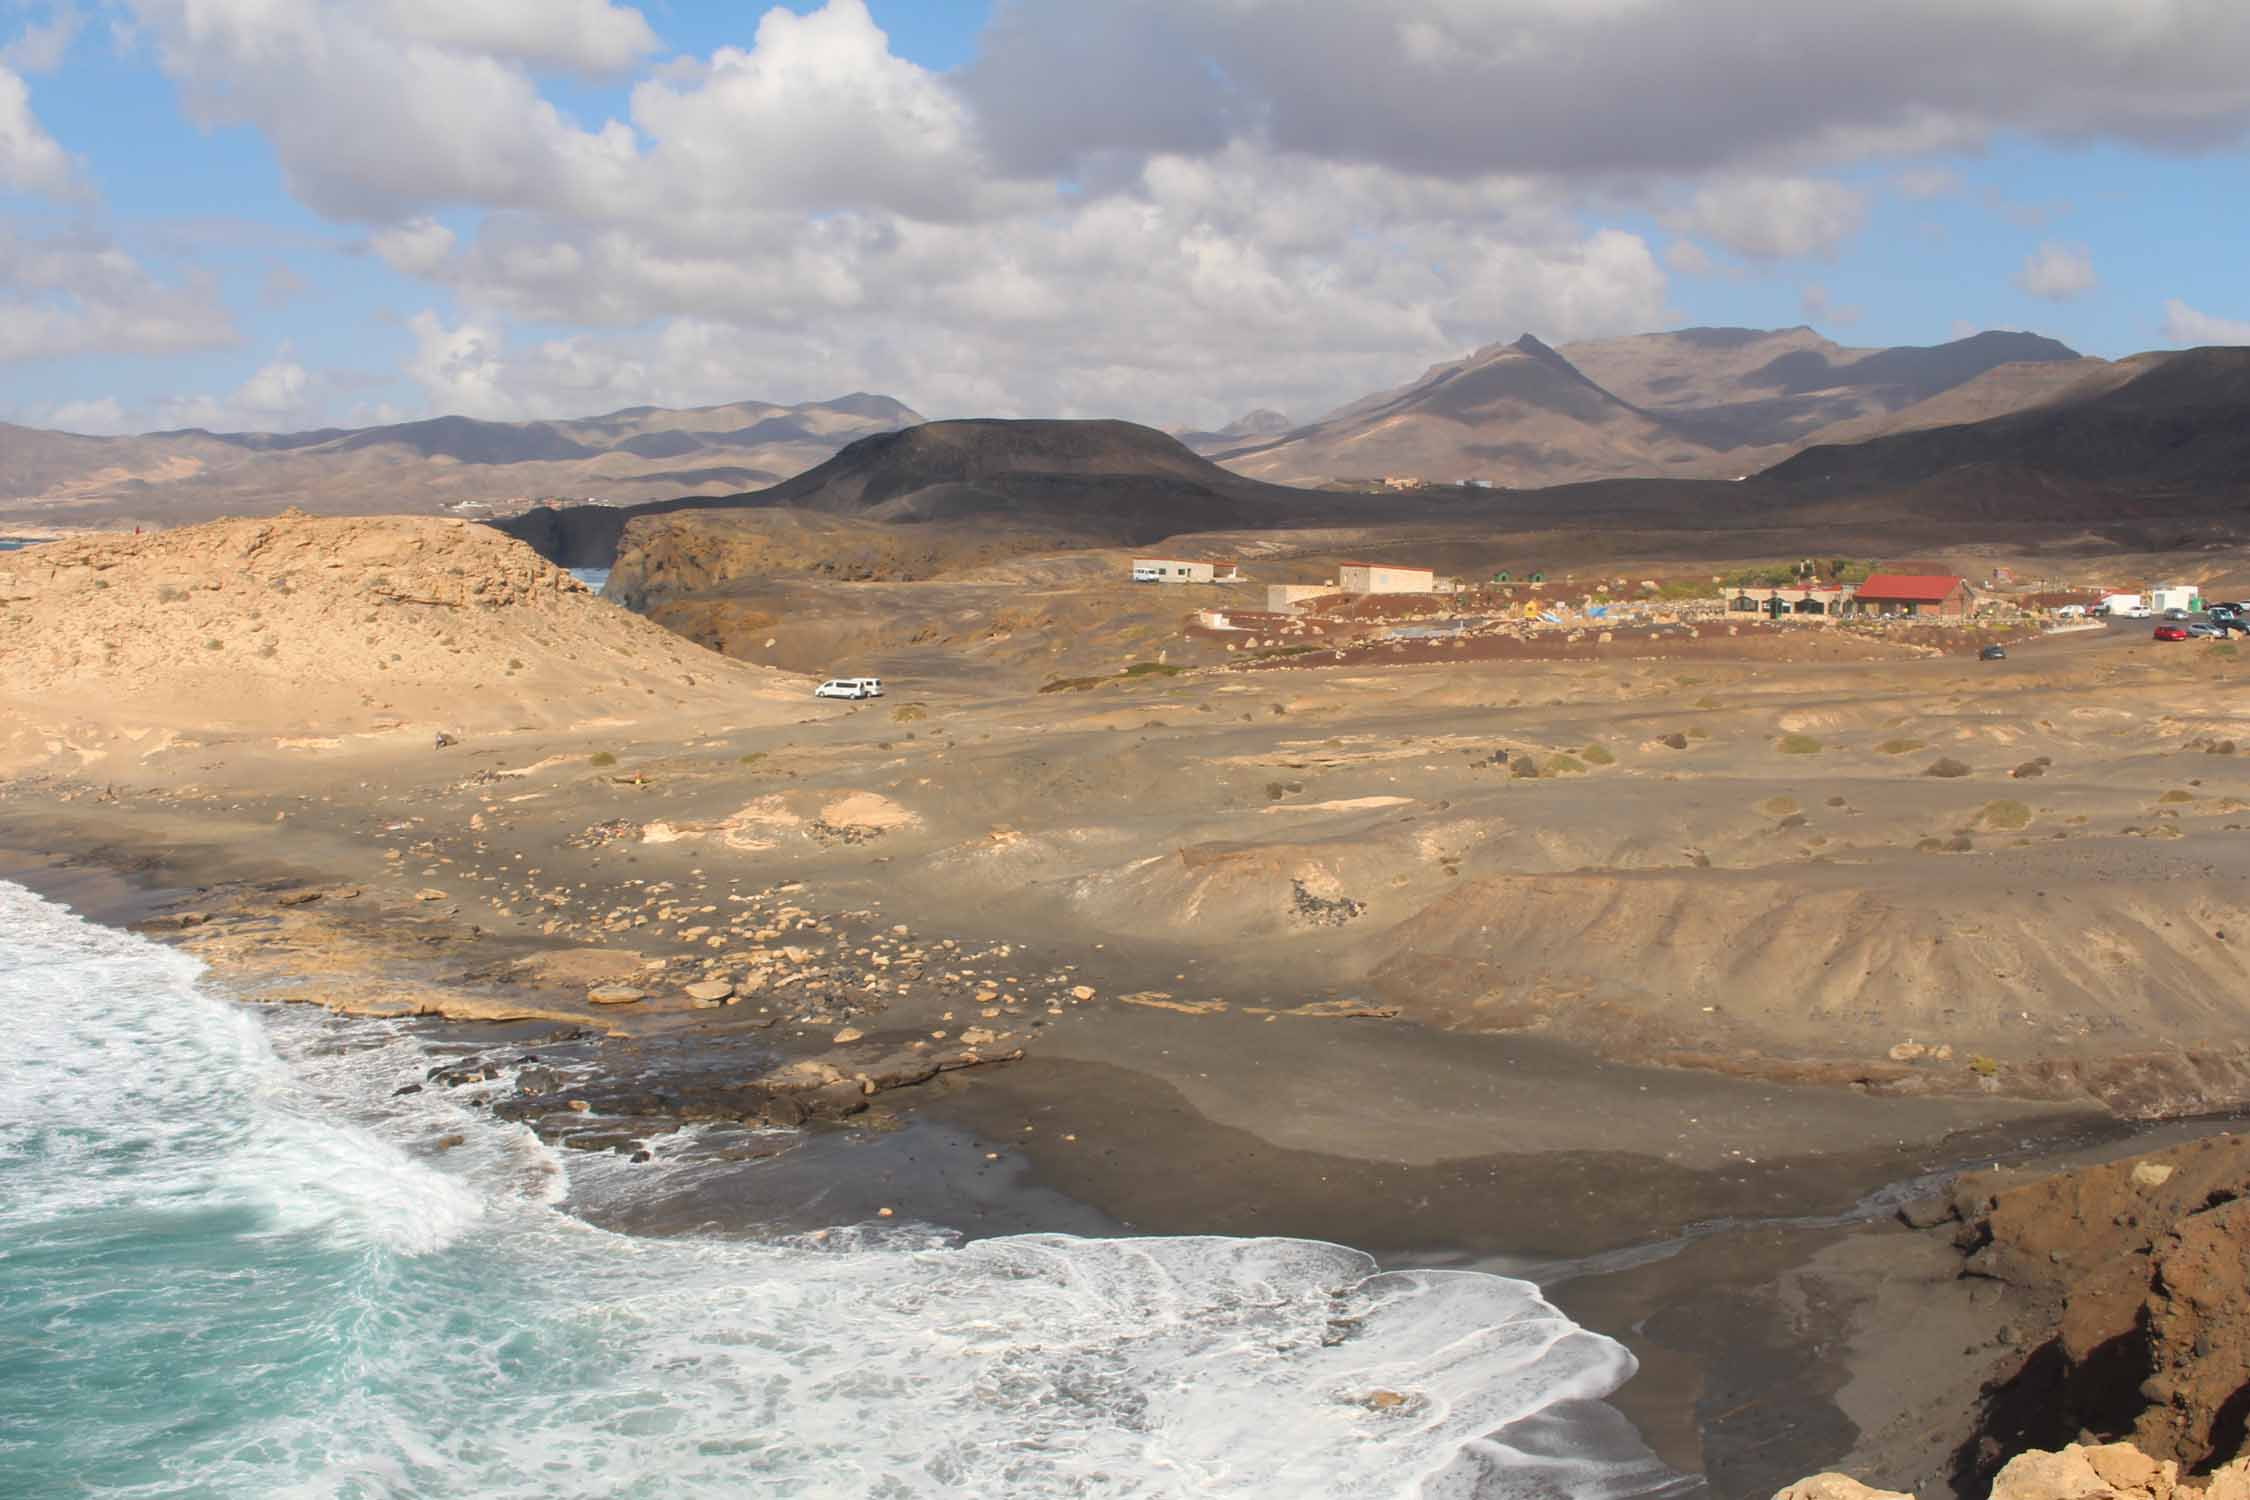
<point x="310" y="627"/>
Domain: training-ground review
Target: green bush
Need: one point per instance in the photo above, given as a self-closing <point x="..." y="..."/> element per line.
<point x="1565" y="765"/>
<point x="1798" y="744"/>
<point x="1947" y="767"/>
<point x="601" y="758"/>
<point x="1900" y="747"/>
<point x="1598" y="755"/>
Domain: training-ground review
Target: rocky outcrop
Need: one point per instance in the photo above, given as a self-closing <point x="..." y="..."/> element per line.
<point x="2108" y="1471"/>
<point x="2137" y="1277"/>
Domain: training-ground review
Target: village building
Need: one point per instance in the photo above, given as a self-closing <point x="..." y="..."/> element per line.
<point x="1790" y="601"/>
<point x="1942" y="595"/>
<point x="1380" y="578"/>
<point x="2187" y="596"/>
<point x="1183" y="570"/>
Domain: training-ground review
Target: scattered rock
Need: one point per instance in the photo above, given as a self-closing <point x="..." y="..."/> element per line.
<point x="710" y="991"/>
<point x="615" y="994"/>
<point x="431" y="893"/>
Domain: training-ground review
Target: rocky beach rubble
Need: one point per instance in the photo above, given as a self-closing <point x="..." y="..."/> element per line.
<point x="2105" y="1471"/>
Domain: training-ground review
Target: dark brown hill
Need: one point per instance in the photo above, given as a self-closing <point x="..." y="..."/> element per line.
<point x="2177" y="435"/>
<point x="1098" y="482"/>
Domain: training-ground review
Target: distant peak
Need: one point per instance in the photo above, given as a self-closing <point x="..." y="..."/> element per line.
<point x="1530" y="344"/>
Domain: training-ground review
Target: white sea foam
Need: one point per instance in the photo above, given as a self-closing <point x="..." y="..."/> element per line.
<point x="228" y="1270"/>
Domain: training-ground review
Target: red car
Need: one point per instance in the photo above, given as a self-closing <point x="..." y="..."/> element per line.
<point x="2171" y="632"/>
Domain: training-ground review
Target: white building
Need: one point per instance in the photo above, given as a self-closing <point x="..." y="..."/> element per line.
<point x="1183" y="570"/>
<point x="1379" y="578"/>
<point x="2166" y="596"/>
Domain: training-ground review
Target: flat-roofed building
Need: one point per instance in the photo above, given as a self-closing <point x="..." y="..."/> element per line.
<point x="1184" y="570"/>
<point x="1382" y="578"/>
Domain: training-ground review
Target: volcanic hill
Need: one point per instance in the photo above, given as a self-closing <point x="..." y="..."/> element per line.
<point x="1086" y="483"/>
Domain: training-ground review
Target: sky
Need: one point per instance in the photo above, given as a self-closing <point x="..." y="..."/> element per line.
<point x="283" y="214"/>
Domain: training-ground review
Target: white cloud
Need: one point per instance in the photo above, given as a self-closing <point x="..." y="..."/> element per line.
<point x="30" y="159"/>
<point x="100" y="417"/>
<point x="415" y="248"/>
<point x="589" y="36"/>
<point x="281" y="396"/>
<point x="2185" y="325"/>
<point x="1774" y="217"/>
<point x="1473" y="86"/>
<point x="2057" y="272"/>
<point x="81" y="294"/>
<point x="1818" y="307"/>
<point x="41" y="46"/>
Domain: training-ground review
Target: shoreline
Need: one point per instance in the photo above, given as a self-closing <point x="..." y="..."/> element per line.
<point x="1740" y="1397"/>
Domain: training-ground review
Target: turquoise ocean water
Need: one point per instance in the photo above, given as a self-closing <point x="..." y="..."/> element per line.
<point x="233" y="1264"/>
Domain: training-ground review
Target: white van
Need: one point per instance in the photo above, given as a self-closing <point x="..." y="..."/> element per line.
<point x="850" y="687"/>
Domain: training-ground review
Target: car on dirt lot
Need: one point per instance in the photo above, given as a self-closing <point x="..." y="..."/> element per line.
<point x="2171" y="632"/>
<point x="1993" y="653"/>
<point x="2201" y="631"/>
<point x="849" y="687"/>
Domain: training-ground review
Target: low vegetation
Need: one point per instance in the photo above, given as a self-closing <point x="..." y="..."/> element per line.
<point x="1900" y="747"/>
<point x="1798" y="744"/>
<point x="1597" y="755"/>
<point x="2006" y="813"/>
<point x="1946" y="767"/>
<point x="600" y="759"/>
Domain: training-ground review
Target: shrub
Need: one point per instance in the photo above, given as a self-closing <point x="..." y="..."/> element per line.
<point x="909" y="713"/>
<point x="752" y="758"/>
<point x="1597" y="755"/>
<point x="1523" y="766"/>
<point x="2176" y="795"/>
<point x="1778" y="807"/>
<point x="2030" y="768"/>
<point x="2006" y="813"/>
<point x="1982" y="1066"/>
<point x="1798" y="744"/>
<point x="1899" y="747"/>
<point x="1676" y="741"/>
<point x="1565" y="765"/>
<point x="1945" y="766"/>
<point x="601" y="758"/>
<point x="1152" y="669"/>
<point x="214" y="644"/>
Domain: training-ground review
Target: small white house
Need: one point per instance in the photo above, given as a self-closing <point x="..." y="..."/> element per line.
<point x="2175" y="596"/>
<point x="1183" y="570"/>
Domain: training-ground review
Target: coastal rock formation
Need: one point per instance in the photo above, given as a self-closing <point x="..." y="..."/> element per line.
<point x="2106" y="1471"/>
<point x="2141" y="1270"/>
<point x="308" y="628"/>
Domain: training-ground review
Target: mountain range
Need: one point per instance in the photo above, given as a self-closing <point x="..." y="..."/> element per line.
<point x="1692" y="404"/>
<point x="457" y="463"/>
<point x="1704" y="403"/>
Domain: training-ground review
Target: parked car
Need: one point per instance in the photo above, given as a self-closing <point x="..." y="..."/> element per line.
<point x="848" y="687"/>
<point x="2201" y="631"/>
<point x="1993" y="653"/>
<point x="2171" y="632"/>
<point x="2175" y="614"/>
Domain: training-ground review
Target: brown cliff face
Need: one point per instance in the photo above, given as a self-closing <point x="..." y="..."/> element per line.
<point x="2140" y="1271"/>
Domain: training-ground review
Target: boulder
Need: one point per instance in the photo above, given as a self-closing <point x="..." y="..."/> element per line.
<point x="615" y="994"/>
<point x="1835" y="1487"/>
<point x="710" y="991"/>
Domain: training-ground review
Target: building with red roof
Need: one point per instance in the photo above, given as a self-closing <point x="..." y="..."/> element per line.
<point x="1941" y="594"/>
